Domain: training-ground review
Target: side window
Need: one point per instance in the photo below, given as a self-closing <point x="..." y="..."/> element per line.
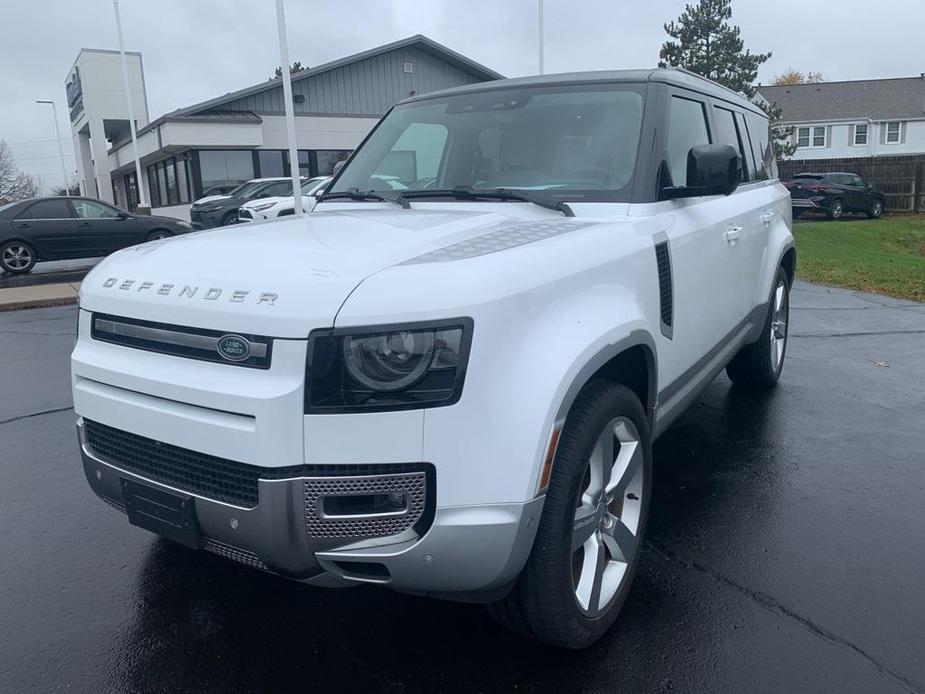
<point x="728" y="134"/>
<point x="687" y="128"/>
<point x="748" y="153"/>
<point x="855" y="180"/>
<point x="416" y="155"/>
<point x="759" y="133"/>
<point x="48" y="209"/>
<point x="90" y="209"/>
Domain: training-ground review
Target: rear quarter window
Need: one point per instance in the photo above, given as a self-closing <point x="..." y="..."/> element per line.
<point x="759" y="133"/>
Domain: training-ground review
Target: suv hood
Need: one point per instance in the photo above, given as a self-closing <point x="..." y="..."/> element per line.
<point x="256" y="202"/>
<point x="209" y="198"/>
<point x="282" y="279"/>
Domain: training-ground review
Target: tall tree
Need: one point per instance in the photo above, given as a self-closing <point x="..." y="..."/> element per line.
<point x="706" y="43"/>
<point x="791" y="77"/>
<point x="14" y="184"/>
<point x="295" y="67"/>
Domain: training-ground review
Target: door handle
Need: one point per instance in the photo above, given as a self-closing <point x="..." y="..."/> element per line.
<point x="732" y="235"/>
<point x="23" y="225"/>
<point x="767" y="217"/>
<point x="84" y="224"/>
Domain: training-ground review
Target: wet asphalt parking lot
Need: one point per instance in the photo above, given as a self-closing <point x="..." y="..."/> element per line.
<point x="786" y="551"/>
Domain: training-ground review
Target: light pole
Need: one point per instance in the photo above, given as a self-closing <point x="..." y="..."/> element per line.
<point x="131" y="114"/>
<point x="54" y="112"/>
<point x="540" y="22"/>
<point x="290" y="114"/>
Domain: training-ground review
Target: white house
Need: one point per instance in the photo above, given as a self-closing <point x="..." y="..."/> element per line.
<point x="859" y="118"/>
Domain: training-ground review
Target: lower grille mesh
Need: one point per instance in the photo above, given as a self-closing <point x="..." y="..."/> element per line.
<point x="235" y="554"/>
<point x="412" y="486"/>
<point x="206" y="475"/>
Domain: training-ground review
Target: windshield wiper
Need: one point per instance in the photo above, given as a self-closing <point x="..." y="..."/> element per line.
<point x="470" y="193"/>
<point x="357" y="194"/>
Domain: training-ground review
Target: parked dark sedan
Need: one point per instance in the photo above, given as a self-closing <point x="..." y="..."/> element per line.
<point x="835" y="194"/>
<point x="220" y="211"/>
<point x="63" y="228"/>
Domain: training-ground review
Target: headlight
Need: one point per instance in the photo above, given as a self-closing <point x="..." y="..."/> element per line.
<point x="388" y="368"/>
<point x="262" y="206"/>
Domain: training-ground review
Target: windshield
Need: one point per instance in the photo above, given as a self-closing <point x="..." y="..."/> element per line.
<point x="574" y="142"/>
<point x="308" y="185"/>
<point x="245" y="188"/>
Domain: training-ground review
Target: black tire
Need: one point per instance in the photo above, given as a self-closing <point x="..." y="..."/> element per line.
<point x="543" y="604"/>
<point x="230" y="218"/>
<point x="876" y="209"/>
<point x="17" y="257"/>
<point x="158" y="234"/>
<point x="757" y="366"/>
<point x="836" y="209"/>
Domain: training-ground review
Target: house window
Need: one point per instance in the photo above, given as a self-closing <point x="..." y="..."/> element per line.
<point x="811" y="136"/>
<point x="860" y="134"/>
<point x="892" y="132"/>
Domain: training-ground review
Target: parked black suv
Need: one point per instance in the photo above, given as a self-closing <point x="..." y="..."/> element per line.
<point x="835" y="194"/>
<point x="62" y="228"/>
<point x="222" y="211"/>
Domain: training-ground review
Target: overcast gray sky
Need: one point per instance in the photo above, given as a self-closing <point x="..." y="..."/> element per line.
<point x="197" y="49"/>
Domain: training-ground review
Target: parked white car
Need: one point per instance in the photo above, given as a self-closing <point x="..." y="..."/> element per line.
<point x="271" y="208"/>
<point x="450" y="388"/>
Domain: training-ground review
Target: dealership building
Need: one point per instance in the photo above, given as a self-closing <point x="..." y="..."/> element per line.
<point x="241" y="135"/>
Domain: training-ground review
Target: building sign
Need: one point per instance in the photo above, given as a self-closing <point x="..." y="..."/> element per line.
<point x="74" y="94"/>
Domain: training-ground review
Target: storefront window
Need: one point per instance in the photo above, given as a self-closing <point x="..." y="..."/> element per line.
<point x="271" y="163"/>
<point x="173" y="195"/>
<point x="218" y="167"/>
<point x="328" y="158"/>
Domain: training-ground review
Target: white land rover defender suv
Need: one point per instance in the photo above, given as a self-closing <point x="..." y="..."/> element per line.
<point x="448" y="377"/>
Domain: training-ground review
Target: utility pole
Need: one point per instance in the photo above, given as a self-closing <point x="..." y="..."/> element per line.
<point x="54" y="111"/>
<point x="540" y="18"/>
<point x="290" y="114"/>
<point x="131" y="114"/>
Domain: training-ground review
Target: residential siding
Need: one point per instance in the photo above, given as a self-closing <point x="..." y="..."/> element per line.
<point x="367" y="88"/>
<point x="840" y="138"/>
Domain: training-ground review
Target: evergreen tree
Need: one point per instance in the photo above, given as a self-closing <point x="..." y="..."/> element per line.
<point x="704" y="41"/>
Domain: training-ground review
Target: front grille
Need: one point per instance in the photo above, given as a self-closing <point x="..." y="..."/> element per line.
<point x="215" y="478"/>
<point x="233" y="349"/>
<point x="413" y="488"/>
<point x="211" y="477"/>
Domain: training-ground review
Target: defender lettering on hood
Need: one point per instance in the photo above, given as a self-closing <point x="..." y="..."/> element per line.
<point x="236" y="296"/>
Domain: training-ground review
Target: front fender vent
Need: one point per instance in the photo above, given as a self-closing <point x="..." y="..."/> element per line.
<point x="665" y="288"/>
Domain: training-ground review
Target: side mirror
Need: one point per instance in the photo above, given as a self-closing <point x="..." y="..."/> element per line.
<point x="711" y="170"/>
<point x="124" y="215"/>
<point x="263" y="195"/>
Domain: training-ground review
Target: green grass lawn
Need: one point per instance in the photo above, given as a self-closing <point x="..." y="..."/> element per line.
<point x="885" y="255"/>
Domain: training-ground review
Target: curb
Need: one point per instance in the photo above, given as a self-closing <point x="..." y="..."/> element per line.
<point x="37" y="303"/>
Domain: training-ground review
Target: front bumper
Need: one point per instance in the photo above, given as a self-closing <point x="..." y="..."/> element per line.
<point x="463" y="551"/>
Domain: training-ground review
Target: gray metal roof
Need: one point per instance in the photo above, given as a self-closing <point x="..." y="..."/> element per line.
<point x="673" y="76"/>
<point x="886" y="99"/>
<point x="418" y="41"/>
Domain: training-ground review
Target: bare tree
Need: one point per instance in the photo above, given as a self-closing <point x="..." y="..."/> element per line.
<point x="791" y="77"/>
<point x="14" y="184"/>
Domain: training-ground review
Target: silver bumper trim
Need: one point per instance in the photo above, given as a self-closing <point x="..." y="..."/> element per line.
<point x="465" y="549"/>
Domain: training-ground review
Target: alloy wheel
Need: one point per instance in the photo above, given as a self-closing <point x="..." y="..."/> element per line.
<point x="608" y="516"/>
<point x="779" y="324"/>
<point x="16" y="257"/>
<point x="877" y="209"/>
<point x="837" y="209"/>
